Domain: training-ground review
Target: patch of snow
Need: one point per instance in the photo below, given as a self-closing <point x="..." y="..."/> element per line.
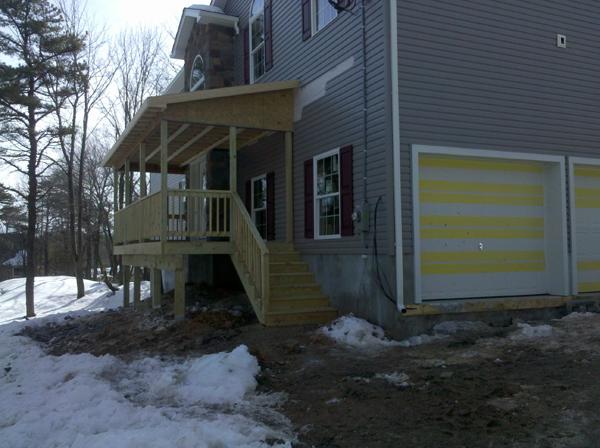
<point x="577" y="315"/>
<point x="333" y="401"/>
<point x="399" y="379"/>
<point x="85" y="401"/>
<point x="526" y="331"/>
<point x="359" y="333"/>
<point x="17" y="261"/>
<point x="421" y="339"/>
<point x="459" y="326"/>
<point x="58" y="295"/>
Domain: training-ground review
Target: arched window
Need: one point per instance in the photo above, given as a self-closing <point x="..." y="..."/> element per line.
<point x="257" y="39"/>
<point x="197" y="74"/>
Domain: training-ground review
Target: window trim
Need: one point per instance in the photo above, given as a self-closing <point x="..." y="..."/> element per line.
<point x="252" y="209"/>
<point x="316" y="211"/>
<point x="251" y="49"/>
<point x="314" y="30"/>
<point x="202" y="80"/>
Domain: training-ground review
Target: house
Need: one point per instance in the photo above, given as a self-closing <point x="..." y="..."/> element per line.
<point x="393" y="159"/>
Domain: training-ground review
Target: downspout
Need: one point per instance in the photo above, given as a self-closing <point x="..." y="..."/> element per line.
<point x="365" y="206"/>
<point x="396" y="156"/>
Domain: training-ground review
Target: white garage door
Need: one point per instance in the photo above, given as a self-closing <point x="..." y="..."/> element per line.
<point x="481" y="227"/>
<point x="586" y="227"/>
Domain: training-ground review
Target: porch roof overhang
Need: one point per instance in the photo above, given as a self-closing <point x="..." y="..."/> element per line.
<point x="199" y="121"/>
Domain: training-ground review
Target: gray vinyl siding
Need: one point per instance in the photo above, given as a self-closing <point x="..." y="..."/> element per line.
<point x="487" y="74"/>
<point x="336" y="119"/>
<point x="264" y="157"/>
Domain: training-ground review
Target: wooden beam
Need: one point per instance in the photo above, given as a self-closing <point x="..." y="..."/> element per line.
<point x="155" y="282"/>
<point x="164" y="185"/>
<point x="216" y="144"/>
<point x="197" y="137"/>
<point x="289" y="188"/>
<point x="179" y="305"/>
<point x="143" y="186"/>
<point x="233" y="159"/>
<point x="256" y="139"/>
<point x="176" y="134"/>
<point x="155" y="168"/>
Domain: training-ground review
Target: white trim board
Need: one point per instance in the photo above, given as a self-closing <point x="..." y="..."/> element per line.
<point x="558" y="282"/>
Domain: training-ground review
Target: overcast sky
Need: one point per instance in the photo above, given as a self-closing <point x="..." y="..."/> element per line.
<point x="120" y="14"/>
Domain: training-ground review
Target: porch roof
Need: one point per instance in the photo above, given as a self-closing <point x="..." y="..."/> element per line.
<point x="199" y="121"/>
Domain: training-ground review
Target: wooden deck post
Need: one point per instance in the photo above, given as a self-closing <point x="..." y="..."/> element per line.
<point x="137" y="287"/>
<point x="143" y="186"/>
<point x="233" y="159"/>
<point x="164" y="183"/>
<point x="115" y="190"/>
<point x="127" y="183"/>
<point x="126" y="281"/>
<point x="179" y="306"/>
<point x="155" y="281"/>
<point x="289" y="188"/>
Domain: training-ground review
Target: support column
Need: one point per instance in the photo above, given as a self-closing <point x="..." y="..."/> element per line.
<point x="233" y="159"/>
<point x="127" y="183"/>
<point x="137" y="287"/>
<point x="164" y="184"/>
<point x="155" y="281"/>
<point x="143" y="186"/>
<point x="115" y="190"/>
<point x="289" y="188"/>
<point x="179" y="306"/>
<point x="126" y="281"/>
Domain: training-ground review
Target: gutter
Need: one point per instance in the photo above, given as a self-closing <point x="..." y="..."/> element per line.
<point x="396" y="157"/>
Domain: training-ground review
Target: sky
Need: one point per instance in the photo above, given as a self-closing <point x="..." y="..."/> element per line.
<point x="121" y="14"/>
<point x="118" y="15"/>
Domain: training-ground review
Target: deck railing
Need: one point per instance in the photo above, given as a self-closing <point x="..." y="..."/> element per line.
<point x="251" y="253"/>
<point x="202" y="215"/>
<point x="192" y="215"/>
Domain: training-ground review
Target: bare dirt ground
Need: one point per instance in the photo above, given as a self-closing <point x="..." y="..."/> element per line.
<point x="492" y="387"/>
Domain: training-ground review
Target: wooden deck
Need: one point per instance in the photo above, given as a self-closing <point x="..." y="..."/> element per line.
<point x="278" y="283"/>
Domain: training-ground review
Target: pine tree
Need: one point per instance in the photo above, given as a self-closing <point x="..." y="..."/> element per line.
<point x="34" y="49"/>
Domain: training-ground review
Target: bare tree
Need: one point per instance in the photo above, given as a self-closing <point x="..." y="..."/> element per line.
<point x="143" y="69"/>
<point x="89" y="78"/>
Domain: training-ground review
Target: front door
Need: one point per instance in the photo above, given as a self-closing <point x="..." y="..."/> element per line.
<point x="259" y="204"/>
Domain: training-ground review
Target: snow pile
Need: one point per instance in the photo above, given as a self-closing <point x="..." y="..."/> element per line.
<point x="576" y="316"/>
<point x="54" y="295"/>
<point x="399" y="379"/>
<point x="87" y="401"/>
<point x="220" y="378"/>
<point x="17" y="261"/>
<point x="526" y="331"/>
<point x="359" y="333"/>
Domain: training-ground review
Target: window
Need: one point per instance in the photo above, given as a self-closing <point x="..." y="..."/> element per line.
<point x="322" y="14"/>
<point x="259" y="204"/>
<point x="197" y="74"/>
<point x="327" y="194"/>
<point x="257" y="40"/>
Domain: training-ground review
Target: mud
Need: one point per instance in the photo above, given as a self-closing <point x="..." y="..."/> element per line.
<point x="489" y="388"/>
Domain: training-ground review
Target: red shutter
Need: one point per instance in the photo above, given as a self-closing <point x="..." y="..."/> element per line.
<point x="268" y="35"/>
<point x="246" y="40"/>
<point x="309" y="217"/>
<point x="346" y="193"/>
<point x="270" y="206"/>
<point x="248" y="197"/>
<point x="306" y="19"/>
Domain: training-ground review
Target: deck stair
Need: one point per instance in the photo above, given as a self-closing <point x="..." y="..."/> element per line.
<point x="295" y="296"/>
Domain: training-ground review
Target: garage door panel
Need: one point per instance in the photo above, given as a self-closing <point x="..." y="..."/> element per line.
<point x="482" y="227"/>
<point x="587" y="226"/>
